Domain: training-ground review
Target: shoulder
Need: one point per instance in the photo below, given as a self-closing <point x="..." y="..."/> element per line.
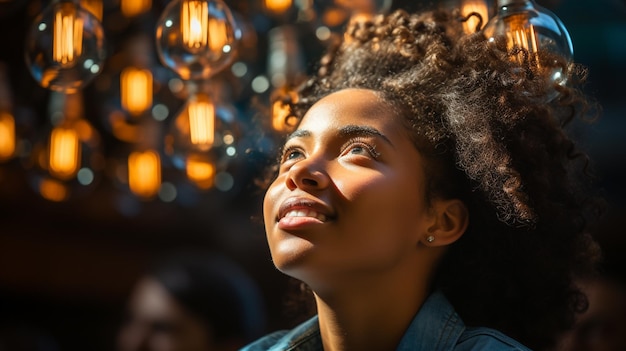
<point x="481" y="338"/>
<point x="305" y="337"/>
<point x="266" y="342"/>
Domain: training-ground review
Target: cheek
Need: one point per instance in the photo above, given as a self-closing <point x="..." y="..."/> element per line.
<point x="270" y="202"/>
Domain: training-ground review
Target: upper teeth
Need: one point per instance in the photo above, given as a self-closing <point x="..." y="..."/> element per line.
<point x="306" y="213"/>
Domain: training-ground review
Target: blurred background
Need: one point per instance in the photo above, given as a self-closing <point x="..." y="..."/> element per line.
<point x="74" y="241"/>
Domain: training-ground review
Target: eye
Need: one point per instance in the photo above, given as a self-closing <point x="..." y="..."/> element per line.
<point x="360" y="147"/>
<point x="291" y="153"/>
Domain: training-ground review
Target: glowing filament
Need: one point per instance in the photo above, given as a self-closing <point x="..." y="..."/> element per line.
<point x="521" y="35"/>
<point x="278" y="6"/>
<point x="136" y="90"/>
<point x="200" y="172"/>
<point x="476" y="6"/>
<point x="218" y="35"/>
<point x="194" y="23"/>
<point x="131" y="8"/>
<point x="201" y="122"/>
<point x="64" y="152"/>
<point x="7" y="136"/>
<point x="144" y="173"/>
<point x="67" y="41"/>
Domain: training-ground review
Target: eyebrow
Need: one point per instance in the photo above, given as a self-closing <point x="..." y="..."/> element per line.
<point x="299" y="134"/>
<point x="354" y="130"/>
<point x="346" y="131"/>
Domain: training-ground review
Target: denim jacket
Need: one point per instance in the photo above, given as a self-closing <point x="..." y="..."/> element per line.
<point x="436" y="327"/>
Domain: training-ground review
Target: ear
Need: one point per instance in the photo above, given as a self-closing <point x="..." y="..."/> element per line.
<point x="449" y="222"/>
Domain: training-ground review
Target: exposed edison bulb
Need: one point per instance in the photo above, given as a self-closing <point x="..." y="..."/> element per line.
<point x="64" y="152"/>
<point x="136" y="90"/>
<point x="194" y="25"/>
<point x="67" y="41"/>
<point x="65" y="47"/>
<point x="66" y="160"/>
<point x="205" y="132"/>
<point x="7" y="136"/>
<point x="144" y="173"/>
<point x="132" y="8"/>
<point x="474" y="6"/>
<point x="533" y="36"/>
<point x="196" y="38"/>
<point x="200" y="170"/>
<point x="197" y="122"/>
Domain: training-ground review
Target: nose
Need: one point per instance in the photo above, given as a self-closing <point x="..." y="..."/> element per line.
<point x="308" y="174"/>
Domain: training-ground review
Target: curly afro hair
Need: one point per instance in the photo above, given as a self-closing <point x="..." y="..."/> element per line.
<point x="478" y="115"/>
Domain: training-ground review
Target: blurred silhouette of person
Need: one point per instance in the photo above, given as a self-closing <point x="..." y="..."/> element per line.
<point x="603" y="326"/>
<point x="192" y="302"/>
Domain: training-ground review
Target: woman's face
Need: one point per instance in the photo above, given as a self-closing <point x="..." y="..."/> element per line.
<point x="157" y="322"/>
<point x="349" y="197"/>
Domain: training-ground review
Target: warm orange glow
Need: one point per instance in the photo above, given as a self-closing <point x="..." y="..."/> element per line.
<point x="478" y="6"/>
<point x="201" y="121"/>
<point x="64" y="152"/>
<point x="335" y="16"/>
<point x="53" y="190"/>
<point x="521" y="34"/>
<point x="194" y="24"/>
<point x="218" y="34"/>
<point x="131" y="8"/>
<point x="144" y="173"/>
<point x="136" y="90"/>
<point x="7" y="136"/>
<point x="280" y="113"/>
<point x="278" y="6"/>
<point x="200" y="171"/>
<point x="67" y="40"/>
<point x="94" y="7"/>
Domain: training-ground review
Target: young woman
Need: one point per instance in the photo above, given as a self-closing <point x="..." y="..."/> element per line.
<point x="428" y="196"/>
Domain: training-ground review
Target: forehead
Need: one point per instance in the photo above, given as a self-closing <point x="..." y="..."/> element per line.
<point x="352" y="106"/>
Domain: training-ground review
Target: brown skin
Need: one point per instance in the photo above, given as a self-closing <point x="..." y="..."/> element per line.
<point x="361" y="219"/>
<point x="157" y="322"/>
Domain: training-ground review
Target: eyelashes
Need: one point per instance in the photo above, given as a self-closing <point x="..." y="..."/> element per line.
<point x="357" y="143"/>
<point x="354" y="146"/>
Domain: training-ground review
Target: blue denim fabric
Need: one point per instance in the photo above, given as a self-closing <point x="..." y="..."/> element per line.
<point x="436" y="327"/>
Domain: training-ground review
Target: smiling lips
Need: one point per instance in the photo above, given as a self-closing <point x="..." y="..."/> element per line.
<point x="295" y="213"/>
<point x="306" y="213"/>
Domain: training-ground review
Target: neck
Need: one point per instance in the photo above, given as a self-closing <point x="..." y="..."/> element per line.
<point x="373" y="313"/>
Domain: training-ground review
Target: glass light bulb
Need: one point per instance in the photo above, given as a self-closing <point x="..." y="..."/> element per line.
<point x="65" y="47"/>
<point x="203" y="139"/>
<point x="474" y="6"/>
<point x="136" y="90"/>
<point x="64" y="152"/>
<point x="66" y="160"/>
<point x="196" y="38"/>
<point x="533" y="36"/>
<point x="200" y="170"/>
<point x="144" y="173"/>
<point x="7" y="136"/>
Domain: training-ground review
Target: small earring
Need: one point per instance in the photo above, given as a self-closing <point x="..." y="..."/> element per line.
<point x="430" y="238"/>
